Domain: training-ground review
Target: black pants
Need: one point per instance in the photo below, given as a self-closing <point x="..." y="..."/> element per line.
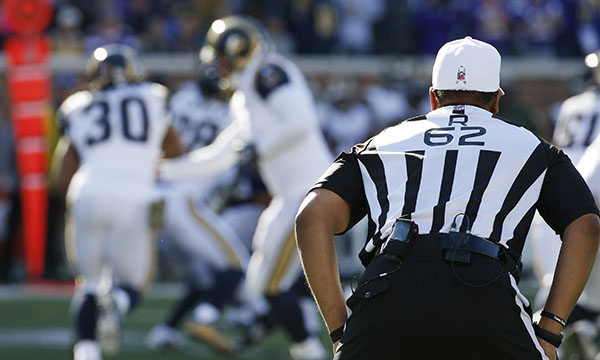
<point x="432" y="309"/>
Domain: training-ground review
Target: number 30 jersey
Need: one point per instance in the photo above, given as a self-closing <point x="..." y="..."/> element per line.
<point x="118" y="135"/>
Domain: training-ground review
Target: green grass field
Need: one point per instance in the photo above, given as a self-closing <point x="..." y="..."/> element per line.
<point x="35" y="323"/>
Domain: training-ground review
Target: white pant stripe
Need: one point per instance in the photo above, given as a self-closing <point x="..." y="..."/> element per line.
<point x="522" y="302"/>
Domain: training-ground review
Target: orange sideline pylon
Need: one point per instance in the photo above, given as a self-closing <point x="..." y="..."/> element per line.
<point x="27" y="57"/>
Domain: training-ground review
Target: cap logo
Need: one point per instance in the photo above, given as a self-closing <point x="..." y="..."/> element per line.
<point x="461" y="75"/>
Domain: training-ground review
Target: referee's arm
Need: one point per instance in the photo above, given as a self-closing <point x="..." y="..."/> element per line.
<point x="322" y="214"/>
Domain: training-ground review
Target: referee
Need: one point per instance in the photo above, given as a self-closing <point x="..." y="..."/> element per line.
<point x="449" y="197"/>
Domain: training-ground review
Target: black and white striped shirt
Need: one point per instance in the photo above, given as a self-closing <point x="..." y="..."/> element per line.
<point x="459" y="164"/>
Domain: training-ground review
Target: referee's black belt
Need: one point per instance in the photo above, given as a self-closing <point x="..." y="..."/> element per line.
<point x="459" y="247"/>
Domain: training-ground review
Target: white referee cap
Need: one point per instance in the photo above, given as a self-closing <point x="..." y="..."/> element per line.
<point x="467" y="64"/>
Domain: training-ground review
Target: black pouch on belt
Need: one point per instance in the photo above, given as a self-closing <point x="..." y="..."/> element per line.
<point x="373" y="282"/>
<point x="399" y="241"/>
<point x="375" y="279"/>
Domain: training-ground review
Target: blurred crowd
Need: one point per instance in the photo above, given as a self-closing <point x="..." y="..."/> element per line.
<point x="350" y="110"/>
<point x="415" y="27"/>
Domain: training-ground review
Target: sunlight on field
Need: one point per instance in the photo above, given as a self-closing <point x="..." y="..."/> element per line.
<point x="35" y="321"/>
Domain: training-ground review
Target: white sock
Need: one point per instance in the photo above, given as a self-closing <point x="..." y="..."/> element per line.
<point x="87" y="350"/>
<point x="206" y="313"/>
<point x="253" y="301"/>
<point x="122" y="301"/>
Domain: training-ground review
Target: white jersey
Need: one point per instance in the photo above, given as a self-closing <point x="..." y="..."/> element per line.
<point x="197" y="120"/>
<point x="576" y="128"/>
<point x="578" y="134"/>
<point x="284" y="127"/>
<point x="346" y="127"/>
<point x="118" y="135"/>
<point x="589" y="167"/>
<point x="577" y="124"/>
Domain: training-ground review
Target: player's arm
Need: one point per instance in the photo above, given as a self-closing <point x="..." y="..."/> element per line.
<point x="213" y="159"/>
<point x="66" y="163"/>
<point x="65" y="160"/>
<point x="172" y="146"/>
<point x="323" y="214"/>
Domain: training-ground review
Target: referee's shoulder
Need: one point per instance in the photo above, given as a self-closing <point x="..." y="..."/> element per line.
<point x="390" y="133"/>
<point x="414" y="118"/>
<point x="499" y="118"/>
<point x="528" y="134"/>
<point x="520" y="127"/>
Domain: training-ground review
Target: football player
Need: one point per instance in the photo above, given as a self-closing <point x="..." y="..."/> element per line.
<point x="113" y="136"/>
<point x="275" y="124"/>
<point x="205" y="248"/>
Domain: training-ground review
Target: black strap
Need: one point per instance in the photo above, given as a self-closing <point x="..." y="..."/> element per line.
<point x="459" y="245"/>
<point x="336" y="334"/>
<point x="513" y="264"/>
<point x="548" y="336"/>
<point x="366" y="256"/>
<point x="554" y="317"/>
<point x="461" y="241"/>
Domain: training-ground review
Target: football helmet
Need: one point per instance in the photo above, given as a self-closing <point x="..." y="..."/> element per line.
<point x="113" y="64"/>
<point x="233" y="41"/>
